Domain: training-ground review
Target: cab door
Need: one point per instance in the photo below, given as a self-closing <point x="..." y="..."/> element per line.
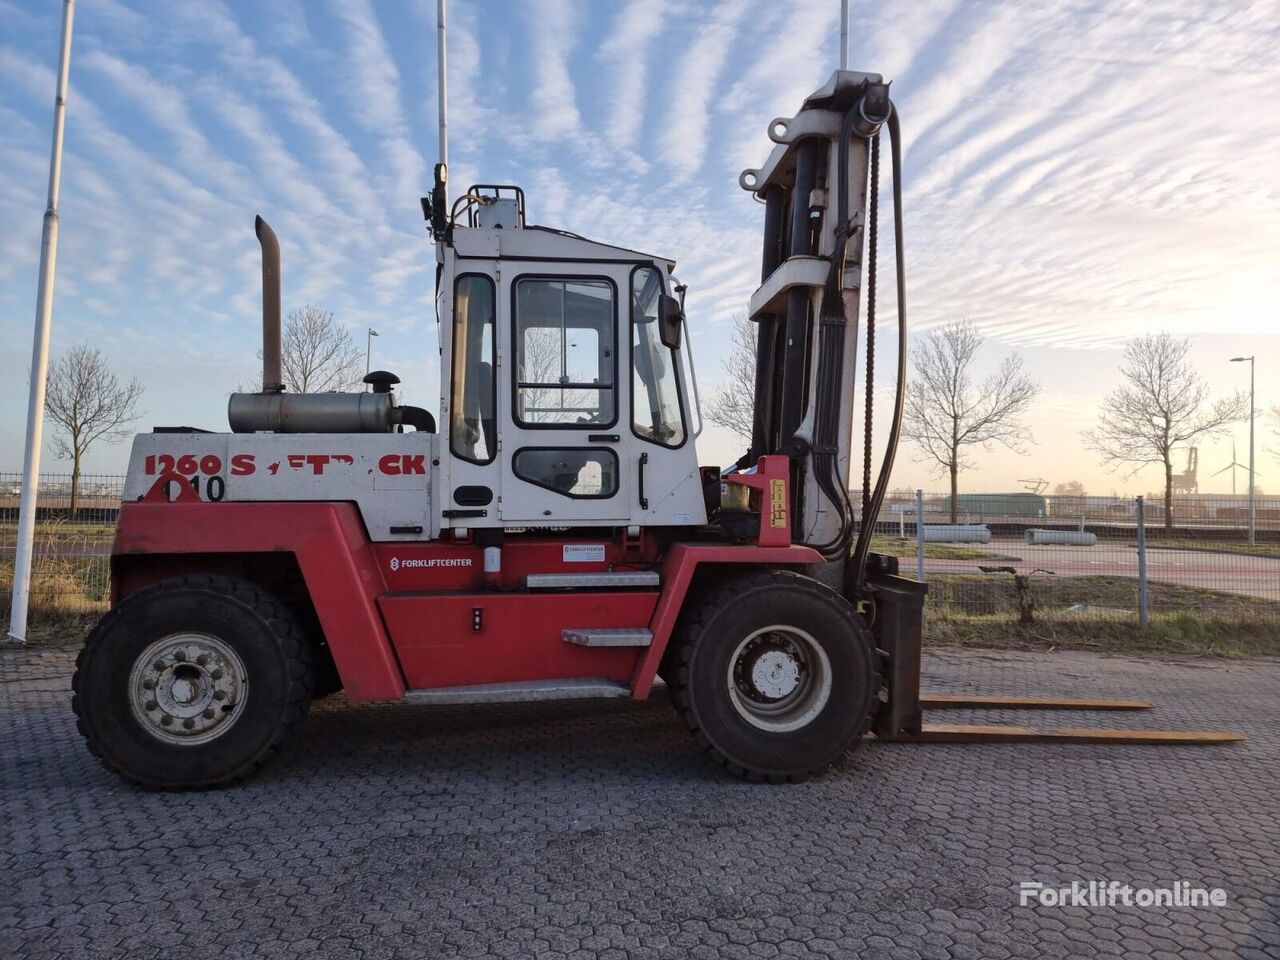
<point x="469" y="401"/>
<point x="563" y="395"/>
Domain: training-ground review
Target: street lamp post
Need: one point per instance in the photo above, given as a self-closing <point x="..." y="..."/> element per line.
<point x="1253" y="513"/>
<point x="368" y="349"/>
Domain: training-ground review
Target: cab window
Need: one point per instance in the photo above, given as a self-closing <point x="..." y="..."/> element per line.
<point x="564" y="352"/>
<point x="472" y="427"/>
<point x="655" y="392"/>
<point x="583" y="473"/>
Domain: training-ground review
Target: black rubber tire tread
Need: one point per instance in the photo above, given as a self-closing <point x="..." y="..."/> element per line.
<point x="699" y="620"/>
<point x="243" y="596"/>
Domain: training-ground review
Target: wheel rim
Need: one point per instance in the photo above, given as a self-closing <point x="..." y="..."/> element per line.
<point x="188" y="688"/>
<point x="779" y="678"/>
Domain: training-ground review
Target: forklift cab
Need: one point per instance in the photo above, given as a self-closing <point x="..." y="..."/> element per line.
<point x="567" y="394"/>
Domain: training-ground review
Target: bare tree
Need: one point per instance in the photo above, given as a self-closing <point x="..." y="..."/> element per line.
<point x="946" y="412"/>
<point x="1163" y="404"/>
<point x="317" y="353"/>
<point x="732" y="403"/>
<point x="545" y="360"/>
<point x="89" y="403"/>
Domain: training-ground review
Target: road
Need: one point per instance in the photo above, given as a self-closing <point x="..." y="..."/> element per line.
<point x="1225" y="572"/>
<point x="588" y="830"/>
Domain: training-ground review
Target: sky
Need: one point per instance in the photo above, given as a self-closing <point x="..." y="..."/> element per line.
<point x="1076" y="173"/>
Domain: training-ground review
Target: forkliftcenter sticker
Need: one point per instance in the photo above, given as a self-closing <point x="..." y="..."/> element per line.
<point x="583" y="553"/>
<point x="417" y="563"/>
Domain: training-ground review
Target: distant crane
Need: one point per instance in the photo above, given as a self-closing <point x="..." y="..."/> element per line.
<point x="1186" y="483"/>
<point x="1036" y="485"/>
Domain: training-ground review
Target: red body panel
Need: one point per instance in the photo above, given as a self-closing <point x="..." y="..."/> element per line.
<point x="412" y="619"/>
<point x="772" y="485"/>
<point x="519" y="636"/>
<point x="443" y="565"/>
<point x="333" y="552"/>
<point x="678" y="568"/>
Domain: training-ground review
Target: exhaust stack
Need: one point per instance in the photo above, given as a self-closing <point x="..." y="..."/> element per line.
<point x="273" y="411"/>
<point x="272" y="375"/>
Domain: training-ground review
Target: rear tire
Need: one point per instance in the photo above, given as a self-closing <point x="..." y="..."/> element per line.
<point x="193" y="682"/>
<point x="775" y="675"/>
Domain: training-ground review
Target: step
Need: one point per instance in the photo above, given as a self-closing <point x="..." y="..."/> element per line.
<point x="519" y="691"/>
<point x="608" y="636"/>
<point x="605" y="579"/>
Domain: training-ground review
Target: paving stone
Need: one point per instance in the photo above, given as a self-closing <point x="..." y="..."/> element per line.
<point x="584" y="830"/>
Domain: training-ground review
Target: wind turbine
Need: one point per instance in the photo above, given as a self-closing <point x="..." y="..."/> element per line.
<point x="1232" y="467"/>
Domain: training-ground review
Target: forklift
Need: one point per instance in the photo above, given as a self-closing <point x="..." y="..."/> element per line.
<point x="557" y="536"/>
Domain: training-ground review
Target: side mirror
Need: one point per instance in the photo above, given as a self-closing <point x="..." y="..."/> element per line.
<point x="670" y="320"/>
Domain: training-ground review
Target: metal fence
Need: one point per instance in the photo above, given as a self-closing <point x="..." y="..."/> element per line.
<point x="71" y="571"/>
<point x="1050" y="560"/>
<point x="1009" y="559"/>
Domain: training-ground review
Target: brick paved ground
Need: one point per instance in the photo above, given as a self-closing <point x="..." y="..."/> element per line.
<point x="587" y="830"/>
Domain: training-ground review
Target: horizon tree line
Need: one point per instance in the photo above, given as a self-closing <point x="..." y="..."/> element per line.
<point x="1162" y="405"/>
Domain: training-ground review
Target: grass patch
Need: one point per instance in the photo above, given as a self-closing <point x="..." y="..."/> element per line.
<point x="982" y="611"/>
<point x="893" y="547"/>
<point x="63" y="531"/>
<point x="68" y="593"/>
<point x="1241" y="547"/>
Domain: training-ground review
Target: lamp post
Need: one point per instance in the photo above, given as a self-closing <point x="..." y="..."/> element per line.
<point x="1252" y="505"/>
<point x="368" y="349"/>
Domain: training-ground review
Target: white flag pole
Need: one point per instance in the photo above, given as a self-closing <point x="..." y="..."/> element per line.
<point x="442" y="83"/>
<point x="844" y="34"/>
<point x="40" y="353"/>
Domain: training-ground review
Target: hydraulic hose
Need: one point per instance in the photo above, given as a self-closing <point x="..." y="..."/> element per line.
<point x="834" y="324"/>
<point x="863" y="546"/>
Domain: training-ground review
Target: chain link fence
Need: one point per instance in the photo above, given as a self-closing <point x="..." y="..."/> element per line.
<point x="997" y="563"/>
<point x="71" y="569"/>
<point x="1078" y="564"/>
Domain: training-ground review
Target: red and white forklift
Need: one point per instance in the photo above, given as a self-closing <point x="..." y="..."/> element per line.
<point x="557" y="536"/>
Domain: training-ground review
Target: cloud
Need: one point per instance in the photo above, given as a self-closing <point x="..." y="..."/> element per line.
<point x="373" y="90"/>
<point x="346" y="177"/>
<point x="683" y="142"/>
<point x="626" y="51"/>
<point x="167" y="107"/>
<point x="552" y="36"/>
<point x="289" y="25"/>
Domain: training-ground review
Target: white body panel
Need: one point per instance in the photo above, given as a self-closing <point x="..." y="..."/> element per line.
<point x="388" y="476"/>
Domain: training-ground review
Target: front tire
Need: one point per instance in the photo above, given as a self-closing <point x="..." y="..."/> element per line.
<point x="193" y="682"/>
<point x="775" y="675"/>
